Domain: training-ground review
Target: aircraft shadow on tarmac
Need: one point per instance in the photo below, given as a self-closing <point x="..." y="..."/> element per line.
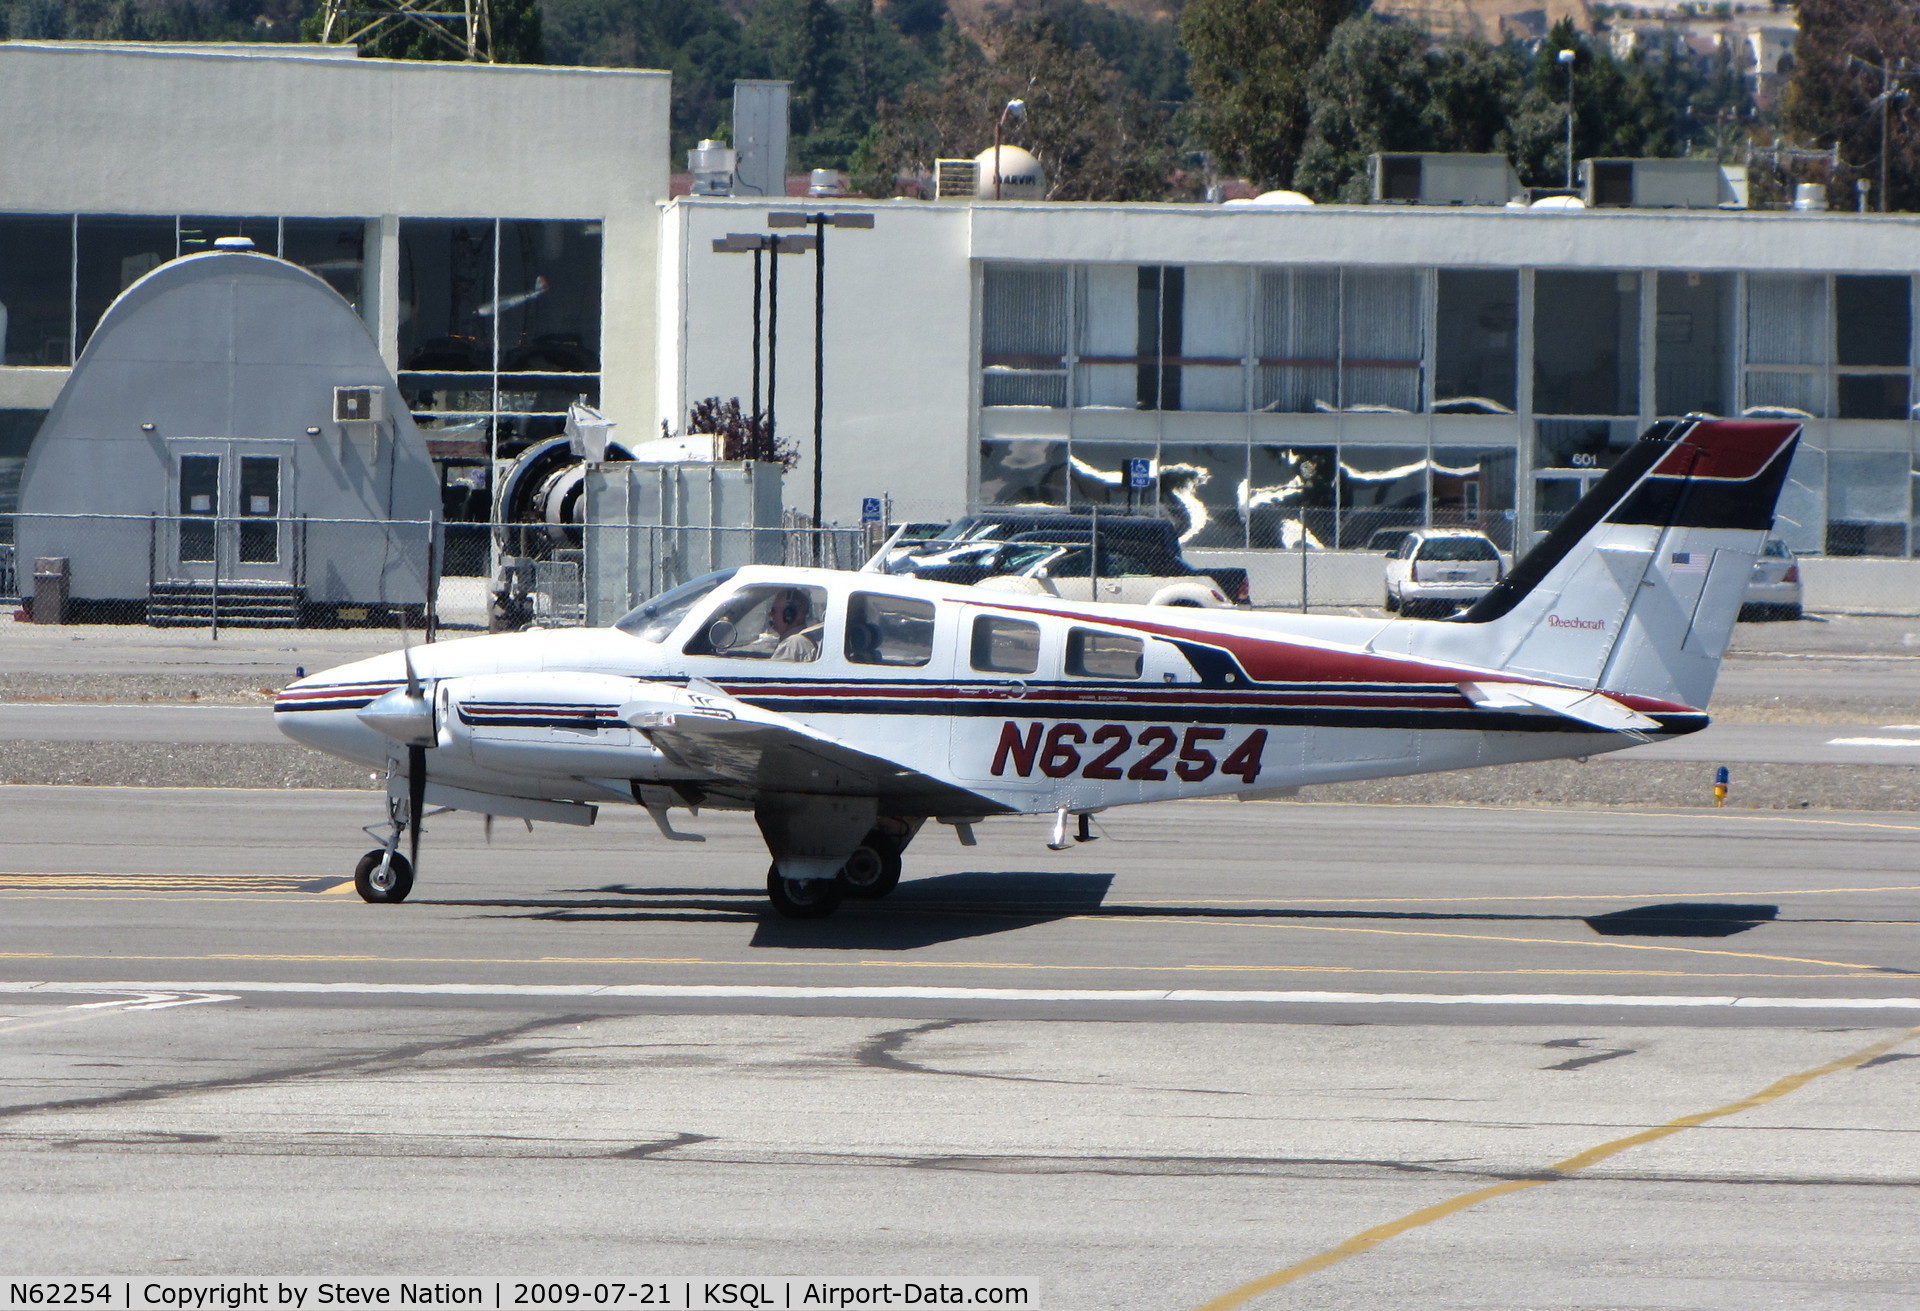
<point x="950" y="907"/>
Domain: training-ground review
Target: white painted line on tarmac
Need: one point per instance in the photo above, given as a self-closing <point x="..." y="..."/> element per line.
<point x="743" y="992"/>
<point x="1874" y="742"/>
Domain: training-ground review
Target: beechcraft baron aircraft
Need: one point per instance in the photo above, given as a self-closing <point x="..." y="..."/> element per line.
<point x="847" y="709"/>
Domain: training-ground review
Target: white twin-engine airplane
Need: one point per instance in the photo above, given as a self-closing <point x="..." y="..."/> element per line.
<point x="847" y="709"/>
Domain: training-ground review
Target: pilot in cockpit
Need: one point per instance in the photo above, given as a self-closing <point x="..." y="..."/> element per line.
<point x="788" y="620"/>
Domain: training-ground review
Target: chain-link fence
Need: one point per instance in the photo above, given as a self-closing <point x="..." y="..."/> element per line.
<point x="215" y="573"/>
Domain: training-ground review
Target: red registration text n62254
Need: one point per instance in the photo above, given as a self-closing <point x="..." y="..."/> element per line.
<point x="1115" y="751"/>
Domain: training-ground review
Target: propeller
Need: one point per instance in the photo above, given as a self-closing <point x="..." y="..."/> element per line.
<point x="416" y="755"/>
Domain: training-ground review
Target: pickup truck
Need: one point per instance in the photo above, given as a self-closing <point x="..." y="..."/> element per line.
<point x="1082" y="573"/>
<point x="1151" y="545"/>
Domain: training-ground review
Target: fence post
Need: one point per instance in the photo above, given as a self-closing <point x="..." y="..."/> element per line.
<point x="1303" y="561"/>
<point x="215" y="609"/>
<point x="433" y="590"/>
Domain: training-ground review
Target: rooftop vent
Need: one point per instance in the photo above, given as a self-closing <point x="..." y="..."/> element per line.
<point x="1660" y="184"/>
<point x="1442" y="179"/>
<point x="233" y="243"/>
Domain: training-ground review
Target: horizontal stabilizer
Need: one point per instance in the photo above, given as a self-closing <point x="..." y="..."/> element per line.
<point x="1596" y="708"/>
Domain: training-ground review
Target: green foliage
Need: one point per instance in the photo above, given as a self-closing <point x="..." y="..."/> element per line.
<point x="1250" y="65"/>
<point x="1095" y="136"/>
<point x="698" y="41"/>
<point x="1831" y="99"/>
<point x="1380" y="87"/>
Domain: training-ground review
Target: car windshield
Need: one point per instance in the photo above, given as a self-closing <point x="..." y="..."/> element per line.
<point x="1457" y="548"/>
<point x="652" y="621"/>
<point x="1012" y="559"/>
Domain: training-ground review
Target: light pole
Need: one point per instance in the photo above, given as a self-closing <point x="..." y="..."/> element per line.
<point x="1566" y="58"/>
<point x="1884" y="103"/>
<point x="1017" y="111"/>
<point x="740" y="242"/>
<point x="820" y="222"/>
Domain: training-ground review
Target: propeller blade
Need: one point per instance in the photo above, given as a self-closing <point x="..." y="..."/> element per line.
<point x="416" y="800"/>
<point x="406" y="656"/>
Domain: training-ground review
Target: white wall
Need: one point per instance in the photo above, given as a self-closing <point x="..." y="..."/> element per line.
<point x="899" y="384"/>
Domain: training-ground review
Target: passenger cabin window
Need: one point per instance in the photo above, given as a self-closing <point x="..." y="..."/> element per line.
<point x="1092" y="654"/>
<point x="889" y="630"/>
<point x="1005" y="646"/>
<point x="765" y="623"/>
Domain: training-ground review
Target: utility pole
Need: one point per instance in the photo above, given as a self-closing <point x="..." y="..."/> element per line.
<point x="1566" y="58"/>
<point x="1889" y="92"/>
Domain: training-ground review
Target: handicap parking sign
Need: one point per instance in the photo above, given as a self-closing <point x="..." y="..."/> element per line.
<point x="870" y="509"/>
<point x="1139" y="473"/>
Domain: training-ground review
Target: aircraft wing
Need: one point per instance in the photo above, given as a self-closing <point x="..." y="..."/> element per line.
<point x="729" y="746"/>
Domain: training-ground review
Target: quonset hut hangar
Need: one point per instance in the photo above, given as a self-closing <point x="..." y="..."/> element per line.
<point x="229" y="423"/>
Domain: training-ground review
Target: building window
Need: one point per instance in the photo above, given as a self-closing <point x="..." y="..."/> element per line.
<point x="17" y="431"/>
<point x="1023" y="335"/>
<point x="1476" y="342"/>
<point x="1873" y="346"/>
<point x="1292" y="495"/>
<point x="1693" y="344"/>
<point x="1382" y="324"/>
<point x="60" y="272"/>
<point x="1380" y="487"/>
<point x="1586" y="343"/>
<point x="1298" y="327"/>
<point x="36" y="289"/>
<point x="499" y="330"/>
<point x="115" y="251"/>
<point x="1787" y="340"/>
<point x="1213" y="340"/>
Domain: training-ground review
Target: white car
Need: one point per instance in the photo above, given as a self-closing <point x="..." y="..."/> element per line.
<point x="1438" y="570"/>
<point x="1068" y="572"/>
<point x="1774" y="592"/>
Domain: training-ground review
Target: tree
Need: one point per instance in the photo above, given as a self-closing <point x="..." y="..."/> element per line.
<point x="1371" y="91"/>
<point x="1833" y="99"/>
<point x="1250" y="62"/>
<point x="1096" y="138"/>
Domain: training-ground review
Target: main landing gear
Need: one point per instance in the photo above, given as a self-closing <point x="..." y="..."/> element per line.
<point x="871" y="872"/>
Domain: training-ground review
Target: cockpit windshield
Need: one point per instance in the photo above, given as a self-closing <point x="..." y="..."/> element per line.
<point x="652" y="621"/>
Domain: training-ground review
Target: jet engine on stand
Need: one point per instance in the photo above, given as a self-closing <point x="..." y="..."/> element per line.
<point x="537" y="540"/>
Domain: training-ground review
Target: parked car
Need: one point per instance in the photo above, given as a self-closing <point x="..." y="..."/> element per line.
<point x="1387" y="540"/>
<point x="1437" y="570"/>
<point x="1078" y="573"/>
<point x="1155" y="542"/>
<point x="1775" y="591"/>
<point x="904" y="539"/>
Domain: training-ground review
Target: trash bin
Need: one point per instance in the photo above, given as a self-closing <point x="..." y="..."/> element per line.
<point x="50" y="574"/>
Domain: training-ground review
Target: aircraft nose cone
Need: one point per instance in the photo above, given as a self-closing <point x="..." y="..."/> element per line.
<point x="407" y="719"/>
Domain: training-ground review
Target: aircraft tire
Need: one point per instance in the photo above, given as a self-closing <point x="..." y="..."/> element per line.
<point x="802" y="899"/>
<point x="367" y="883"/>
<point x="873" y="870"/>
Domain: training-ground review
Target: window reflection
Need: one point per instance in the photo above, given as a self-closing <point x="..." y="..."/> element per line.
<point x="115" y="253"/>
<point x="1476" y="341"/>
<point x="1023" y="473"/>
<point x="1291" y="493"/>
<point x="1380" y="487"/>
<point x="446" y="296"/>
<point x="36" y="285"/>
<point x="1586" y="343"/>
<point x="336" y="249"/>
<point x="1692" y="344"/>
<point x="547" y="308"/>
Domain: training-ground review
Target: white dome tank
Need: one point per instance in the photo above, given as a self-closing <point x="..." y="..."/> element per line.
<point x="1021" y="177"/>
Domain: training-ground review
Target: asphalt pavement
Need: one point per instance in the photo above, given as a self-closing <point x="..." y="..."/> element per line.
<point x="1228" y="1055"/>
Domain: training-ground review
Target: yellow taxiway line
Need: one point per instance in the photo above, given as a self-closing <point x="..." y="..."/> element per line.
<point x="1369" y="1239"/>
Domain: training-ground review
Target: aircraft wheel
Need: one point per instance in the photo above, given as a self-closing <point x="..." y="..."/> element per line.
<point x="873" y="870"/>
<point x="390" y="884"/>
<point x="802" y="899"/>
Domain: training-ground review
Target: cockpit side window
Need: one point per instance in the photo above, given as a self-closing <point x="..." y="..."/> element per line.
<point x="655" y="620"/>
<point x="778" y="622"/>
<point x="889" y="630"/>
<point x="1094" y="654"/>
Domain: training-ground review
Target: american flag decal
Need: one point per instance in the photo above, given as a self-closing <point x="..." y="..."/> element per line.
<point x="1689" y="562"/>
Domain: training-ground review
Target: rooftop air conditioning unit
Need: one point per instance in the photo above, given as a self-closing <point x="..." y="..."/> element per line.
<point x="359" y="404"/>
<point x="1659" y="184"/>
<point x="1436" y="178"/>
<point x="955" y="179"/>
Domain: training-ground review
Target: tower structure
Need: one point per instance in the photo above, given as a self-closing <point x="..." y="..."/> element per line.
<point x="457" y="29"/>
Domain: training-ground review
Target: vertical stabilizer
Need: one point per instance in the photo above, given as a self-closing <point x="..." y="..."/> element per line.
<point x="1636" y="592"/>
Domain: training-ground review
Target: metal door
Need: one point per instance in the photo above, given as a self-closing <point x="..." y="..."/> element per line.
<point x="230" y="511"/>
